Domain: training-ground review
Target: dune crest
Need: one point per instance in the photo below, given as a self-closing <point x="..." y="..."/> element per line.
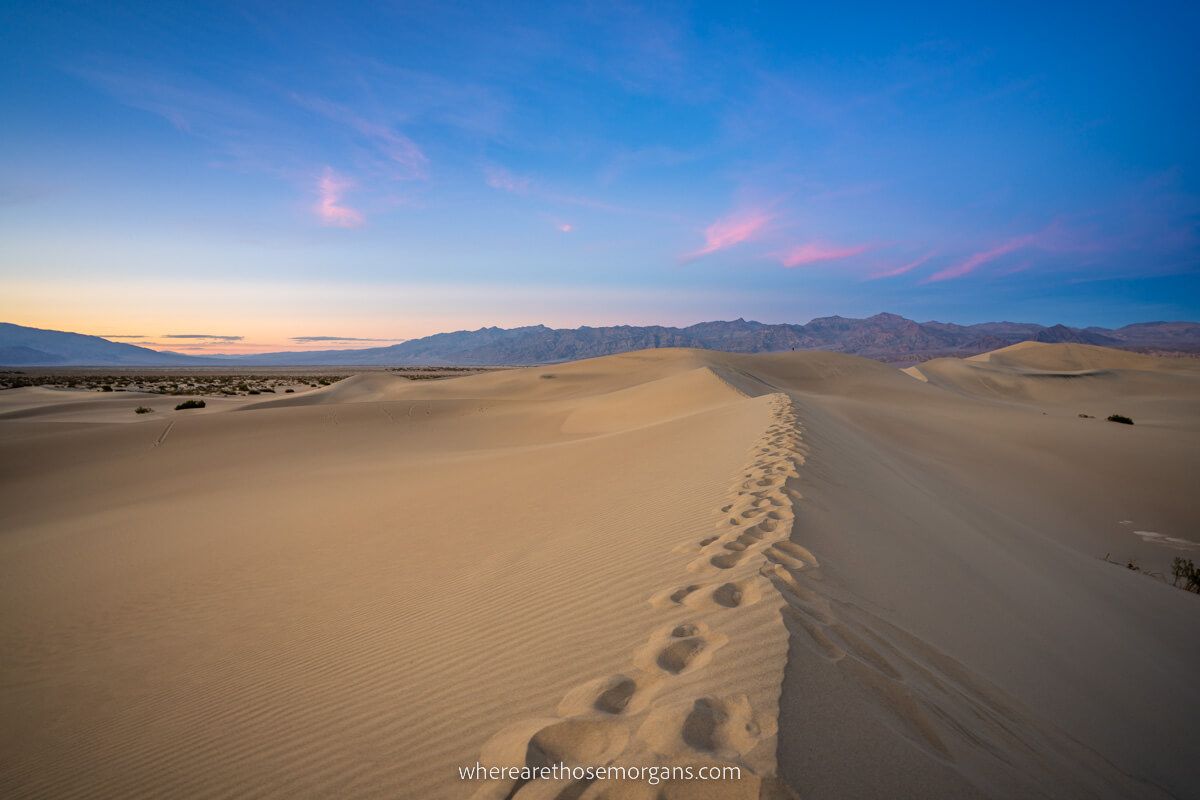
<point x="673" y="704"/>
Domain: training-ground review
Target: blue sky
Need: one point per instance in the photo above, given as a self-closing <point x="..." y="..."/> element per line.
<point x="272" y="172"/>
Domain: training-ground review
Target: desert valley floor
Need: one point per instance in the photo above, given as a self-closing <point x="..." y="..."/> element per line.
<point x="848" y="580"/>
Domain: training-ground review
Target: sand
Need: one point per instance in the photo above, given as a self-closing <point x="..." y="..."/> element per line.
<point x="843" y="581"/>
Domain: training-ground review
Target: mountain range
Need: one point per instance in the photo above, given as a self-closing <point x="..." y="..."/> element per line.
<point x="884" y="337"/>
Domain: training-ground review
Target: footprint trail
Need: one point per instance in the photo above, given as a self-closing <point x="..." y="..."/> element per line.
<point x="704" y="689"/>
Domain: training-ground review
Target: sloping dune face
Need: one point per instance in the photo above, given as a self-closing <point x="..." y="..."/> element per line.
<point x="1068" y="357"/>
<point x="1062" y="374"/>
<point x="839" y="580"/>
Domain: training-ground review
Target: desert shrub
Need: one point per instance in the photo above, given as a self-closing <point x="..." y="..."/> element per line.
<point x="1086" y="416"/>
<point x="546" y="375"/>
<point x="289" y="391"/>
<point x="254" y="391"/>
<point x="190" y="404"/>
<point x="1184" y="570"/>
<point x="106" y="388"/>
<point x="143" y="410"/>
<point x="1121" y="418"/>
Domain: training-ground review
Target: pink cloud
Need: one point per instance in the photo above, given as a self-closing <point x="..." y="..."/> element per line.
<point x="977" y="260"/>
<point x="902" y="269"/>
<point x="330" y="188"/>
<point x="731" y="230"/>
<point x="565" y="227"/>
<point x="814" y="252"/>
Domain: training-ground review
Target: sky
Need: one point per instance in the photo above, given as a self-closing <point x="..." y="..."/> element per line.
<point x="247" y="177"/>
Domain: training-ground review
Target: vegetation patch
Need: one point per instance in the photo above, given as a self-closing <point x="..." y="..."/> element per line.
<point x="1186" y="572"/>
<point x="186" y="404"/>
<point x="1121" y="418"/>
<point x="202" y="381"/>
<point x="143" y="410"/>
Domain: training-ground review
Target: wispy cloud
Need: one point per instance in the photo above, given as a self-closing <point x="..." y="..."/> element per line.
<point x="310" y="339"/>
<point x="240" y="127"/>
<point x="406" y="161"/>
<point x="191" y="106"/>
<point x="330" y="188"/>
<point x="902" y="269"/>
<point x="816" y="252"/>
<point x="500" y="178"/>
<point x="731" y="230"/>
<point x="564" y="227"/>
<point x="977" y="260"/>
<point x="209" y="336"/>
<point x="505" y="180"/>
<point x="121" y="335"/>
<point x="210" y="346"/>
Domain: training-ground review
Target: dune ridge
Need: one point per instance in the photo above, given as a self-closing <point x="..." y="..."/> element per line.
<point x="672" y="705"/>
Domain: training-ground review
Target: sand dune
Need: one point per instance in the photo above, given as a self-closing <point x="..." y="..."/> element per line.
<point x="844" y="581"/>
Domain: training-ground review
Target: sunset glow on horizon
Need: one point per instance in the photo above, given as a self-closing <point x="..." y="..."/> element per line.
<point x="251" y="178"/>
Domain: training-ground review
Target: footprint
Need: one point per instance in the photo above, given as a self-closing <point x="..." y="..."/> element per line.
<point x="728" y="595"/>
<point x="668" y="653"/>
<point x="792" y="556"/>
<point x="679" y="595"/>
<point x="624" y="693"/>
<point x="700" y="727"/>
<point x="726" y="560"/>
<point x="616" y="697"/>
<point x="676" y="657"/>
<point x="709" y="540"/>
<point x="750" y="537"/>
<point x="797" y="551"/>
<point x="722" y="725"/>
<point x="576" y="742"/>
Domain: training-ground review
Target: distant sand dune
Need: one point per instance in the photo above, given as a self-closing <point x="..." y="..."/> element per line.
<point x="844" y="581"/>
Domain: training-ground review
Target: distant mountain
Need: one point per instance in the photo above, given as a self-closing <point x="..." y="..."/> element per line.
<point x="884" y="337"/>
<point x="21" y="346"/>
<point x="18" y="355"/>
